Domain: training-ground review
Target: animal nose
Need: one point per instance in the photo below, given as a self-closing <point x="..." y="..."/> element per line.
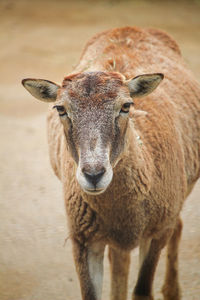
<point x="94" y="177"/>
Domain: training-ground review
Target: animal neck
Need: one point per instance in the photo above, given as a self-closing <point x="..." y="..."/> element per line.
<point x="135" y="162"/>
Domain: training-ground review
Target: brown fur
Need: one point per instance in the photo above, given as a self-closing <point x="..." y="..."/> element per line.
<point x="152" y="178"/>
<point x="81" y="86"/>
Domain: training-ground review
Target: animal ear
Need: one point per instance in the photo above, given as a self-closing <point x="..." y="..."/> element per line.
<point x="41" y="89"/>
<point x="143" y="85"/>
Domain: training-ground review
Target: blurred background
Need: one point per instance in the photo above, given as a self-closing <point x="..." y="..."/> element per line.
<point x="44" y="39"/>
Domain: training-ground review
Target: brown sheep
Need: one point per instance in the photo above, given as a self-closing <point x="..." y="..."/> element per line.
<point x="126" y="163"/>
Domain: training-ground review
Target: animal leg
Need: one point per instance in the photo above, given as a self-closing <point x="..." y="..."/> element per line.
<point x="171" y="289"/>
<point x="119" y="264"/>
<point x="149" y="256"/>
<point x="89" y="266"/>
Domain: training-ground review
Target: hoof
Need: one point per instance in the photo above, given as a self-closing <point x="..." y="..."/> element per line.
<point x="171" y="294"/>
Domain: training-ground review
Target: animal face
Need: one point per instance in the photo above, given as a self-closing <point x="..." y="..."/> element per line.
<point x="94" y="110"/>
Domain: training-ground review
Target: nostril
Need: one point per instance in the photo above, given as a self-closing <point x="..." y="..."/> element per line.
<point x="95" y="177"/>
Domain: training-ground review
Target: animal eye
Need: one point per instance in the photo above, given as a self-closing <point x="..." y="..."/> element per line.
<point x="61" y="110"/>
<point x="125" y="107"/>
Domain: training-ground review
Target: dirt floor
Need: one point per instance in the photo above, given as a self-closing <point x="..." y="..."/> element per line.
<point x="44" y="39"/>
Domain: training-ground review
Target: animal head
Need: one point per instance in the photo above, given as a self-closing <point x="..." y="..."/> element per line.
<point x="94" y="110"/>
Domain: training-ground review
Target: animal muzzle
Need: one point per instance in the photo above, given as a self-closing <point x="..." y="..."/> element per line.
<point x="94" y="179"/>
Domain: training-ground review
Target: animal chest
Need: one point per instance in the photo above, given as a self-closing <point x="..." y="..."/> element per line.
<point x="120" y="223"/>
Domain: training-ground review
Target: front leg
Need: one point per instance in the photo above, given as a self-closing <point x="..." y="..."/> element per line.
<point x="119" y="264"/>
<point x="149" y="255"/>
<point x="89" y="266"/>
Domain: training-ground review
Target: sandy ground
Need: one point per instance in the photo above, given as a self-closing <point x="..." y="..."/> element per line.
<point x="44" y="39"/>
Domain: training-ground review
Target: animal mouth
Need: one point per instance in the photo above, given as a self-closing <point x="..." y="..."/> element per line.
<point x="94" y="191"/>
